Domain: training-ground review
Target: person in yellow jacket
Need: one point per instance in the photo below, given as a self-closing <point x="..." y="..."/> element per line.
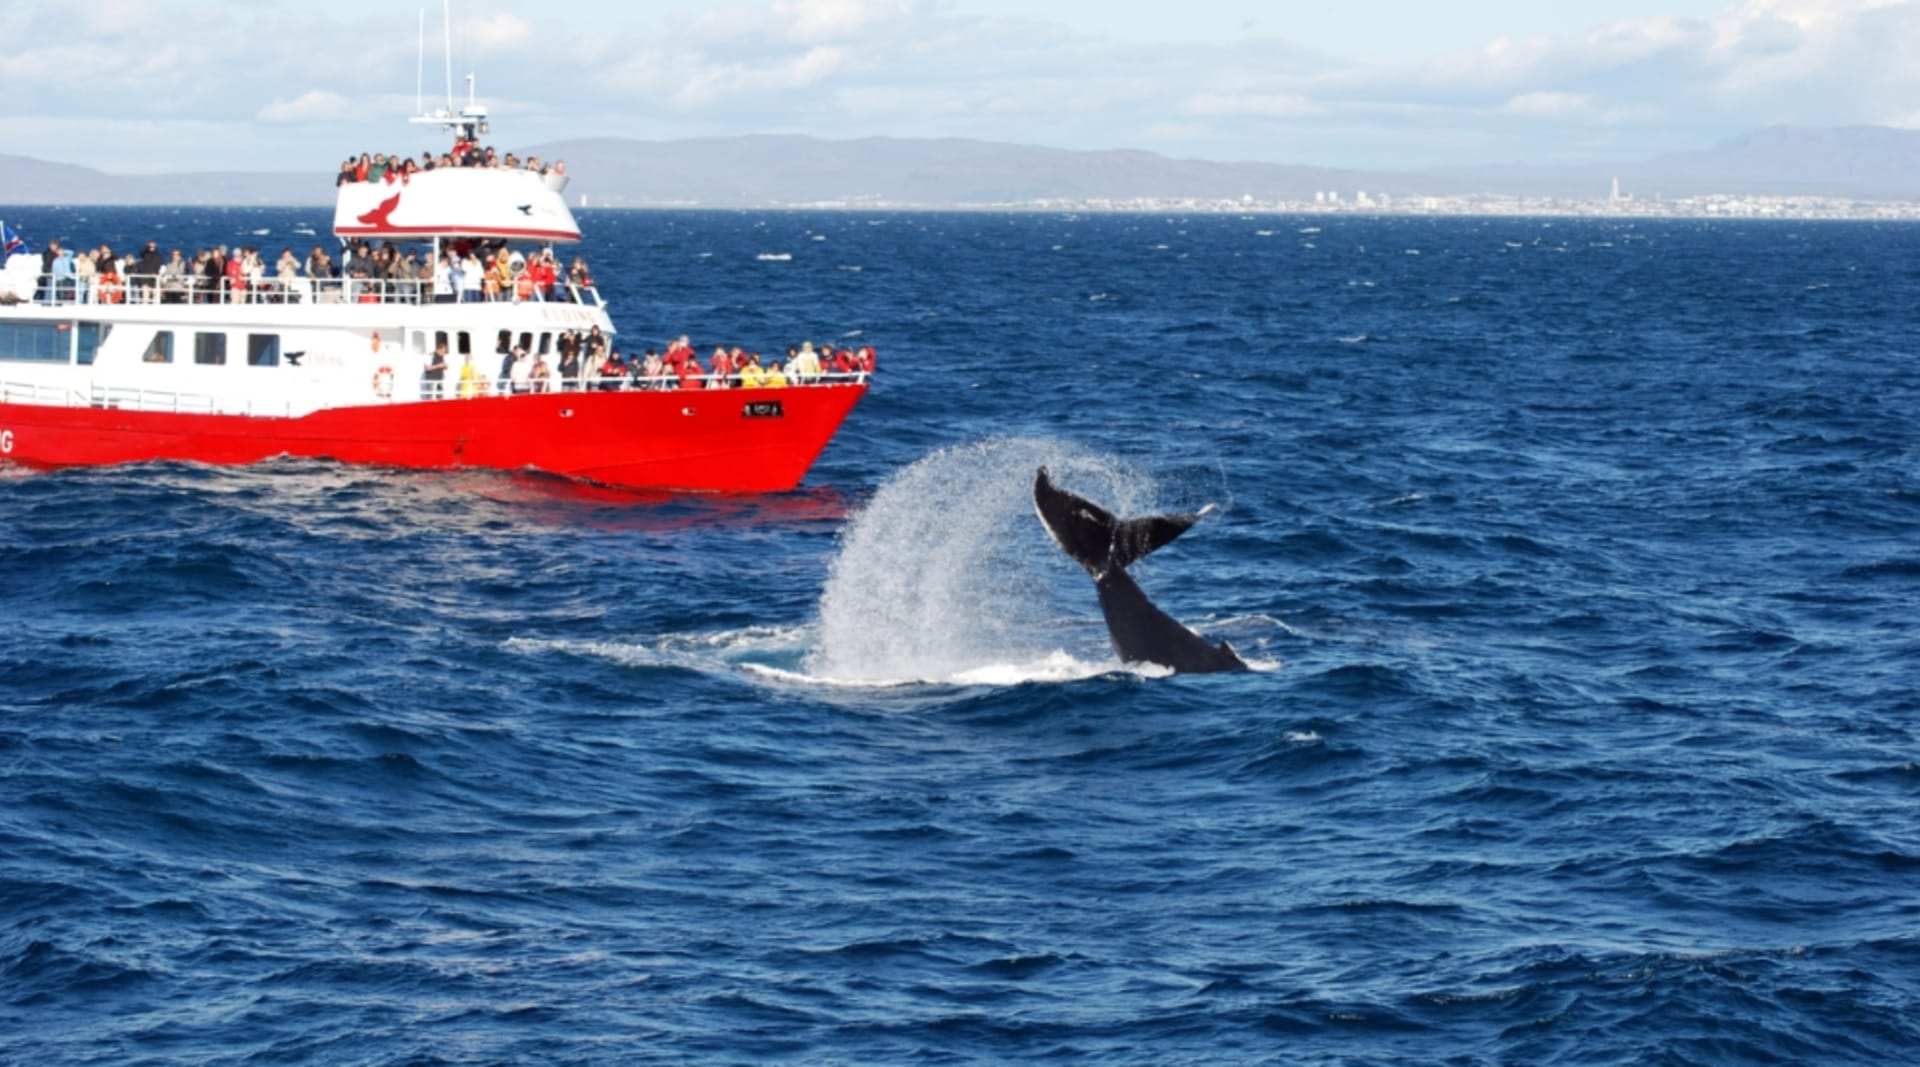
<point x="750" y="374"/>
<point x="472" y="383"/>
<point x="776" y="375"/>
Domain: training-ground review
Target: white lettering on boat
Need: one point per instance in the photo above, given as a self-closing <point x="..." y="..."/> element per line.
<point x="6" y="441"/>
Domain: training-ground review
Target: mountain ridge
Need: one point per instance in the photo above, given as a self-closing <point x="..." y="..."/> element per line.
<point x="785" y="170"/>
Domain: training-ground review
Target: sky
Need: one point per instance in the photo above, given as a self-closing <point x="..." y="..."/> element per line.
<point x="167" y="86"/>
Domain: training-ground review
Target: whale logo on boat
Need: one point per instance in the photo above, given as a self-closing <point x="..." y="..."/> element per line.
<point x="1106" y="546"/>
<point x="379" y="215"/>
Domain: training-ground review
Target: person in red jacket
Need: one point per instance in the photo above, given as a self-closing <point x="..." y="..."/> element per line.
<point x="689" y="372"/>
<point x="544" y="275"/>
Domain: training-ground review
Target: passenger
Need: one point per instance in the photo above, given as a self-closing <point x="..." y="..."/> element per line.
<point x="209" y="267"/>
<point x="541" y="376"/>
<point x="504" y="349"/>
<point x="445" y="278"/>
<point x="85" y="274"/>
<point x="520" y="372"/>
<point x="721" y="367"/>
<point x="362" y="168"/>
<point x="689" y="373"/>
<point x="775" y="376"/>
<point x="544" y="274"/>
<point x="319" y="265"/>
<point x="569" y="365"/>
<point x="653" y="371"/>
<point x="346" y="176"/>
<point x="436" y="372"/>
<point x="108" y="288"/>
<point x="472" y="277"/>
<point x="499" y="276"/>
<point x="377" y="170"/>
<point x="48" y="290"/>
<point x="611" y="373"/>
<point x="750" y="374"/>
<point x="145" y="273"/>
<point x="805" y="367"/>
<point x="472" y="384"/>
<point x="175" y="281"/>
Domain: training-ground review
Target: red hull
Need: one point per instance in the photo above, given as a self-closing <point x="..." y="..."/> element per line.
<point x="722" y="440"/>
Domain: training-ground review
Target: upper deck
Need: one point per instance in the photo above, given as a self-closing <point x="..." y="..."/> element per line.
<point x="481" y="202"/>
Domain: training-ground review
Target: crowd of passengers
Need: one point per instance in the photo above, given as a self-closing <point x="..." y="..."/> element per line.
<point x="585" y="361"/>
<point x="465" y="271"/>
<point x="380" y="167"/>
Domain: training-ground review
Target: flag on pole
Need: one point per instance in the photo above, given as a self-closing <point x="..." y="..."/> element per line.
<point x="10" y="242"/>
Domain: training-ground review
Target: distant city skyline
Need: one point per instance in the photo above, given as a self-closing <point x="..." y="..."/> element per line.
<point x="168" y="86"/>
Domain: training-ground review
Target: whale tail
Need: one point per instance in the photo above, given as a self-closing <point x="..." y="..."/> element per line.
<point x="1094" y="537"/>
<point x="1106" y="546"/>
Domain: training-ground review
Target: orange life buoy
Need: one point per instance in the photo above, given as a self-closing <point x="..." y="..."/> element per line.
<point x="383" y="381"/>
<point x="109" y="289"/>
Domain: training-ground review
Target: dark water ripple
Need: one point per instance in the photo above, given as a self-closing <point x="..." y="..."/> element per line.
<point x="1581" y="556"/>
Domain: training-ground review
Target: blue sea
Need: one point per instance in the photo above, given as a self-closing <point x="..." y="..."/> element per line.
<point x="1578" y="560"/>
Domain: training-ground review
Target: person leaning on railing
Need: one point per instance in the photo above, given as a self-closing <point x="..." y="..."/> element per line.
<point x="174" y="281"/>
<point x="146" y="272"/>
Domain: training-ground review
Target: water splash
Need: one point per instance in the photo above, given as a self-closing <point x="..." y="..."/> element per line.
<point x="947" y="576"/>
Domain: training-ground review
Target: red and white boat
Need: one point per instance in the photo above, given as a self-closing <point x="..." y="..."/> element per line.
<point x="331" y="368"/>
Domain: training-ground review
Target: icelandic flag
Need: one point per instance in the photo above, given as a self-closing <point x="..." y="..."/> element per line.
<point x="10" y="242"/>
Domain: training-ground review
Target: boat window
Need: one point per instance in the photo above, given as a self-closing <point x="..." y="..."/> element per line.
<point x="526" y="342"/>
<point x="263" y="350"/>
<point x="210" y="349"/>
<point x="466" y="344"/>
<point x="88" y="339"/>
<point x="160" y="349"/>
<point x="38" y="341"/>
<point x="546" y="343"/>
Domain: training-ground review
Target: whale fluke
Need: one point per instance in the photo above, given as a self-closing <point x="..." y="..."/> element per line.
<point x="1106" y="546"/>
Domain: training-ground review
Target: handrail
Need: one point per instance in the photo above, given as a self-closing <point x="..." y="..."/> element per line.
<point x="62" y="290"/>
<point x="135" y="398"/>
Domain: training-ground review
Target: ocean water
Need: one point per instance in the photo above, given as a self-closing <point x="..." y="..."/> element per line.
<point x="1579" y="560"/>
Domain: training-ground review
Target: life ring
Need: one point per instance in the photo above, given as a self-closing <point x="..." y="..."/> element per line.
<point x="109" y="289"/>
<point x="383" y="381"/>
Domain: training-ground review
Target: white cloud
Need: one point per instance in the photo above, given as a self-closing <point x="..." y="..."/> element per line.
<point x="933" y="68"/>
<point x="314" y="105"/>
<point x="1251" y="105"/>
<point x="839" y="20"/>
<point x="1550" y="105"/>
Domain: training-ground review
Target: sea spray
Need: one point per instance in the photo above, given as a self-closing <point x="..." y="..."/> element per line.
<point x="946" y="573"/>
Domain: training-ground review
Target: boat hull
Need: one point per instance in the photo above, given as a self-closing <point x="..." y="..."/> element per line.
<point x="719" y="440"/>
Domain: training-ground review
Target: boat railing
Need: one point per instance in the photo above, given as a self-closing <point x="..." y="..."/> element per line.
<point x="56" y="290"/>
<point x="450" y="389"/>
<point x="134" y="398"/>
<point x="41" y="393"/>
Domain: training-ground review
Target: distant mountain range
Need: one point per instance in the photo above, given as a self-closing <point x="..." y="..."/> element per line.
<point x="1856" y="162"/>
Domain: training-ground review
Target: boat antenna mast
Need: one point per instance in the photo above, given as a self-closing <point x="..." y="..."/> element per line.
<point x="468" y="123"/>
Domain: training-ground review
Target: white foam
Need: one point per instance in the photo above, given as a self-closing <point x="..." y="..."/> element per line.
<point x="946" y="572"/>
